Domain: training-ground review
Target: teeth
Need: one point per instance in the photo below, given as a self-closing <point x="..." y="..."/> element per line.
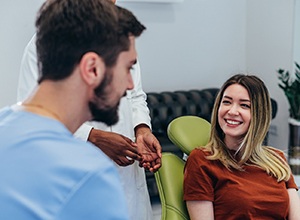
<point x="232" y="122"/>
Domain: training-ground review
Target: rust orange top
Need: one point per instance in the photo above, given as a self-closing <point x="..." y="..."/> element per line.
<point x="249" y="194"/>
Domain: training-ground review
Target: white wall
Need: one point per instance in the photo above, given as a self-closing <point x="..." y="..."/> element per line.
<point x="297" y="32"/>
<point x="17" y="19"/>
<point x="193" y="44"/>
<point x="270" y="47"/>
<point x="187" y="45"/>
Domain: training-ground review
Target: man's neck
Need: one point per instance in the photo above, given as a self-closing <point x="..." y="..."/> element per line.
<point x="52" y="100"/>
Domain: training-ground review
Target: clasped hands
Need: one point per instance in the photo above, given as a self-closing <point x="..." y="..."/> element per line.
<point x="124" y="151"/>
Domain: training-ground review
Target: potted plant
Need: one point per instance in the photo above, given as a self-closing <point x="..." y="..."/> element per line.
<point x="290" y="84"/>
<point x="291" y="87"/>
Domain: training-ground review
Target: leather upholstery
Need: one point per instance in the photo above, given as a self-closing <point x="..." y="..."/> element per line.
<point x="165" y="106"/>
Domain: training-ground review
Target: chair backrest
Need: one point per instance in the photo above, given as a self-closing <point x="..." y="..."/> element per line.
<point x="186" y="132"/>
<point x="169" y="181"/>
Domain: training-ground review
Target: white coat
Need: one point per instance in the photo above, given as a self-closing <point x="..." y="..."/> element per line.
<point x="133" y="111"/>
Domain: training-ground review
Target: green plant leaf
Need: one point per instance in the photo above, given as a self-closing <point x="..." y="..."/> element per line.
<point x="291" y="87"/>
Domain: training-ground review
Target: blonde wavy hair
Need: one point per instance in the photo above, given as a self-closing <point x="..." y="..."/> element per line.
<point x="252" y="151"/>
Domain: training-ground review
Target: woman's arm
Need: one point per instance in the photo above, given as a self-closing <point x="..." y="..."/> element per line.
<point x="200" y="210"/>
<point x="294" y="212"/>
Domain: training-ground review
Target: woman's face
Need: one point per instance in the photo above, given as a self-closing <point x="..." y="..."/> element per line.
<point x="234" y="115"/>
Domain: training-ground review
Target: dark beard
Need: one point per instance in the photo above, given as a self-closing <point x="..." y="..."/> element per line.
<point x="110" y="115"/>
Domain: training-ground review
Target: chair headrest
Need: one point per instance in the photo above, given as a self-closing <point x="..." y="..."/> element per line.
<point x="188" y="132"/>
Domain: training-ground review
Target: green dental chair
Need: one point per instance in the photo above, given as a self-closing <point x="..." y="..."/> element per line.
<point x="186" y="132"/>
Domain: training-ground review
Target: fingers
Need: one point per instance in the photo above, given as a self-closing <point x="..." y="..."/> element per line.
<point x="151" y="166"/>
<point x="150" y="143"/>
<point x="145" y="165"/>
<point x="158" y="148"/>
<point x="132" y="152"/>
<point x="124" y="161"/>
<point x="134" y="156"/>
<point x="129" y="141"/>
<point x="156" y="165"/>
<point x="131" y="147"/>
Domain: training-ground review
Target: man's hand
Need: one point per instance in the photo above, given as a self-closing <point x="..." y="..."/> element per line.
<point x="116" y="146"/>
<point x="148" y="147"/>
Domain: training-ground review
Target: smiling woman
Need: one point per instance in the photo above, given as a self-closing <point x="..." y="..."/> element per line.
<point x="235" y="176"/>
<point x="234" y="115"/>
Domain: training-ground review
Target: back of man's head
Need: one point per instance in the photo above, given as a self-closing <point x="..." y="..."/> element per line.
<point x="67" y="29"/>
<point x="128" y="23"/>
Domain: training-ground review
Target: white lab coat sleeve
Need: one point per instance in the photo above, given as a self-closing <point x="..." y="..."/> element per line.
<point x="140" y="109"/>
<point x="28" y="81"/>
<point x="83" y="132"/>
<point x="28" y="72"/>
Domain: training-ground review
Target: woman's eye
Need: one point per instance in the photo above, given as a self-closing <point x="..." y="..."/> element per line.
<point x="226" y="102"/>
<point x="245" y="105"/>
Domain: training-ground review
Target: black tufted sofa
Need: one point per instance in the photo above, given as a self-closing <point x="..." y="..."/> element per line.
<point x="165" y="106"/>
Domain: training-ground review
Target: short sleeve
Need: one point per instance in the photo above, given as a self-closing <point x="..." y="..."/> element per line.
<point x="198" y="183"/>
<point x="291" y="182"/>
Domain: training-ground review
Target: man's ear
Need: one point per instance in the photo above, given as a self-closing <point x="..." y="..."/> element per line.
<point x="92" y="69"/>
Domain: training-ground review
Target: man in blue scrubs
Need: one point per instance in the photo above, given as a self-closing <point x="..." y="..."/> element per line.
<point x="85" y="52"/>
